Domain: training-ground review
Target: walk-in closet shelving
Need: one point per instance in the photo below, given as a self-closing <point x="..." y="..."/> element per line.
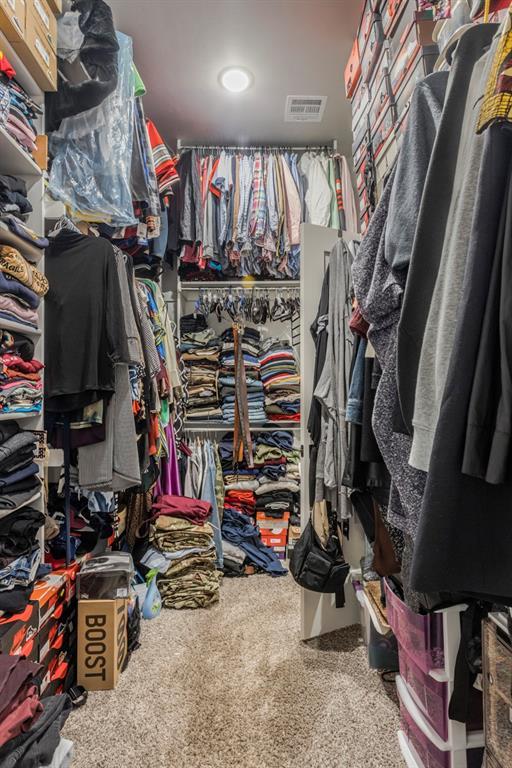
<point x="15" y="161"/>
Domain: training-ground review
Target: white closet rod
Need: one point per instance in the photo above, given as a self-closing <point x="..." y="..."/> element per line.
<point x="314" y="147"/>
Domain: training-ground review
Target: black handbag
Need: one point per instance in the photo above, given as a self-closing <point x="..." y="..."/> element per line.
<point x="319" y="567"/>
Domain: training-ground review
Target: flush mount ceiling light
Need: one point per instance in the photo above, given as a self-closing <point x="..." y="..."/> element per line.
<point x="235" y="79"/>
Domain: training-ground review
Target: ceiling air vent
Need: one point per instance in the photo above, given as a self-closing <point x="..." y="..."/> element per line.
<point x="304" y="109"/>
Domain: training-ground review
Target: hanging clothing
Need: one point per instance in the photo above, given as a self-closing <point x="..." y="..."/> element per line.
<point x="458" y="546"/>
<point x="332" y="388"/>
<point x="440" y="325"/>
<point x="84" y="303"/>
<point x="435" y="202"/>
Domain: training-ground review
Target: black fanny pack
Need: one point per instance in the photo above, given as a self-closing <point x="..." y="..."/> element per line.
<point x="320" y="568"/>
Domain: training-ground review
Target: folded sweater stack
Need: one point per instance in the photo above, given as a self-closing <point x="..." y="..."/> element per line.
<point x="281" y="380"/>
<point x="200" y="352"/>
<point x="22" y="287"/>
<point x="18" y="112"/>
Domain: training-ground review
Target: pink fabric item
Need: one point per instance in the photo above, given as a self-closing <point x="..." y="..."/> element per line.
<point x="19" y="134"/>
<point x="9" y="304"/>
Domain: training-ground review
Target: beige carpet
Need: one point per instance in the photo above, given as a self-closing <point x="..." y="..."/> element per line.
<point x="234" y="687"/>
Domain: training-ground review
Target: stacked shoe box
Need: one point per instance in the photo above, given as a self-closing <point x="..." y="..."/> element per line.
<point x="393" y="50"/>
<point x="427" y="649"/>
<point x="45" y="631"/>
<point x="274" y="532"/>
<point x="54" y="599"/>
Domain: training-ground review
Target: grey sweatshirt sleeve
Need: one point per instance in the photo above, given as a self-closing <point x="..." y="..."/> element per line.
<point x="423" y="121"/>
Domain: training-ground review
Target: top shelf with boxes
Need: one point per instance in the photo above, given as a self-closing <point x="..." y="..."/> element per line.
<point x="393" y="49"/>
<point x="29" y="40"/>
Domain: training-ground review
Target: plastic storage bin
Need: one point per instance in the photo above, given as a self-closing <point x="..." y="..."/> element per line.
<point x="420" y="636"/>
<point x="379" y="640"/>
<point x="428" y="756"/>
<point x="433" y="698"/>
<point x="427" y="747"/>
<point x="430" y="695"/>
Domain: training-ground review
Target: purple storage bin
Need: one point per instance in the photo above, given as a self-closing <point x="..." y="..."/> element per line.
<point x="430" y="755"/>
<point x="430" y="695"/>
<point x="420" y="636"/>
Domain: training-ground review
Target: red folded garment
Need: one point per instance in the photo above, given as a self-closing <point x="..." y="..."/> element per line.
<point x="195" y="510"/>
<point x="25" y="710"/>
<point x="16" y="363"/>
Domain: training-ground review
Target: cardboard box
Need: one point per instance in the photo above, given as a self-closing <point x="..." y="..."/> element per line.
<point x="41" y="154"/>
<point x="102" y="643"/>
<point x="37" y="53"/>
<point x="46" y="20"/>
<point x="18" y="630"/>
<point x="12" y="19"/>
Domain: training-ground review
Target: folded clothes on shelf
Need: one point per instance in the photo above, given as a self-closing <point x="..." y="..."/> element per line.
<point x="18" y="112"/>
<point x="280" y="376"/>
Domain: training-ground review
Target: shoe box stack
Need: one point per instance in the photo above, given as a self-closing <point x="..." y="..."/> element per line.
<point x="497" y="658"/>
<point x="427" y="650"/>
<point x="103" y="592"/>
<point x="393" y="50"/>
<point x="45" y="631"/>
<point x="274" y="532"/>
<point x="31" y="28"/>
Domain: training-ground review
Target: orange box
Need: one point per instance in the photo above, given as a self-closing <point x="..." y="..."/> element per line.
<point x="274" y="538"/>
<point x="352" y="70"/>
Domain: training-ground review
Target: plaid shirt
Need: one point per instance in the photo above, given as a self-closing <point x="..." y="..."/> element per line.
<point x="258" y="219"/>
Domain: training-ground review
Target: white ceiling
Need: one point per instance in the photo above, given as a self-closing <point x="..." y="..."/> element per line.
<point x="296" y="47"/>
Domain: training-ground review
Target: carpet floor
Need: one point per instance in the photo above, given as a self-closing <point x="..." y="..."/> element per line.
<point x="234" y="687"/>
